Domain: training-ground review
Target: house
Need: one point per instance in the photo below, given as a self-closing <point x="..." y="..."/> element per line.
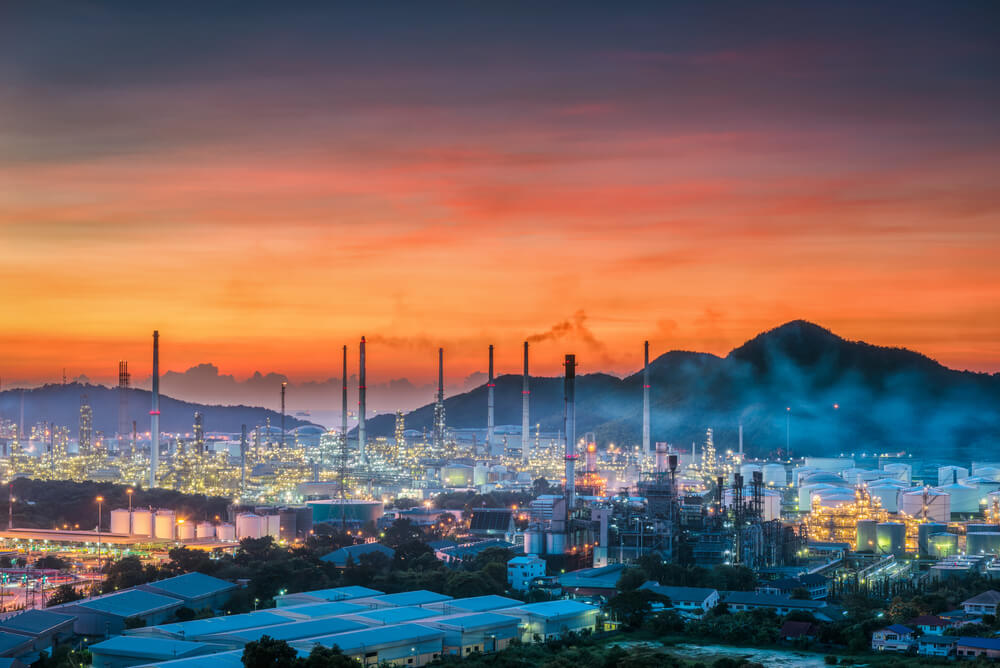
<point x="966" y="648"/>
<point x="685" y="598"/>
<point x="124" y="651"/>
<point x="552" y="619"/>
<point x="930" y="624"/>
<point x="798" y="631"/>
<point x="813" y="583"/>
<point x="984" y="604"/>
<point x="197" y="590"/>
<point x="936" y="645"/>
<point x="741" y="601"/>
<point x="592" y="582"/>
<point x="522" y="570"/>
<point x="44" y="627"/>
<point x="469" y="551"/>
<point x="353" y="554"/>
<point x="895" y="638"/>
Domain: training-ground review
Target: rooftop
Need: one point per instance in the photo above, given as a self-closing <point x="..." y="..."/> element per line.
<point x="325" y="609"/>
<point x="477" y="621"/>
<point x="696" y="594"/>
<point x="480" y="603"/>
<point x="299" y="630"/>
<point x="774" y="600"/>
<point x="35" y="622"/>
<point x="192" y="585"/>
<point x="980" y="643"/>
<point x="152" y="648"/>
<point x="553" y="609"/>
<point x="416" y="597"/>
<point x="340" y="593"/>
<point x="201" y="627"/>
<point x="990" y="597"/>
<point x="398" y="615"/>
<point x="354" y="553"/>
<point x="129" y="603"/>
<point x="10" y="641"/>
<point x="400" y="633"/>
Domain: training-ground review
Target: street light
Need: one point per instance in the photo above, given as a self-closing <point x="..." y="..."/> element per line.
<point x="130" y="492"/>
<point x="100" y="504"/>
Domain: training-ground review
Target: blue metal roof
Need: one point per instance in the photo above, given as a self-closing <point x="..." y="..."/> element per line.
<point x="192" y="585"/>
<point x="480" y="603"/>
<point x="324" y="609"/>
<point x="232" y="659"/>
<point x="130" y="603"/>
<point x="152" y="648"/>
<point x="35" y="621"/>
<point x="9" y="641"/>
<point x="478" y="620"/>
<point x="899" y="628"/>
<point x="299" y="630"/>
<point x="340" y="593"/>
<point x="417" y="597"/>
<point x="370" y="638"/>
<point x="552" y="609"/>
<point x="201" y="627"/>
<point x="980" y="643"/>
<point x="398" y="615"/>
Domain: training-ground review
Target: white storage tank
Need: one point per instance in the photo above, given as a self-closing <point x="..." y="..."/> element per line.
<point x="979" y="466"/>
<point x="555" y="543"/>
<point x="456" y="475"/>
<point x="534" y="542"/>
<point x="860" y="476"/>
<point x="990" y="472"/>
<point x="950" y="474"/>
<point x="806" y="492"/>
<point x="249" y="525"/>
<point x="800" y="473"/>
<point x="825" y="478"/>
<point x="142" y="523"/>
<point x="185" y="530"/>
<point x="899" y="471"/>
<point x="775" y="474"/>
<point x="205" y="530"/>
<point x="964" y="498"/>
<point x="832" y="499"/>
<point x="917" y="502"/>
<point x="887" y="495"/>
<point x="480" y="474"/>
<point x="226" y="531"/>
<point x="747" y="471"/>
<point x="272" y="526"/>
<point x="120" y="521"/>
<point x="834" y="464"/>
<point x="163" y="524"/>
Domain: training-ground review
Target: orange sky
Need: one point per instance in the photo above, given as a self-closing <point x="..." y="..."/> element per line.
<point x="425" y="196"/>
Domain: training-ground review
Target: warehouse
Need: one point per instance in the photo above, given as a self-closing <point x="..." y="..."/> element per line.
<point x="322" y="595"/>
<point x="43" y="627"/>
<point x="199" y="629"/>
<point x="553" y="619"/>
<point x="196" y="590"/>
<point x="404" y="644"/>
<point x="417" y="597"/>
<point x="106" y="615"/>
<point x="479" y="632"/>
<point x="474" y="604"/>
<point x="297" y="630"/>
<point x="124" y="651"/>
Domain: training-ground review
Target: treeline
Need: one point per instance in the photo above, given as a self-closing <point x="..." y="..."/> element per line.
<point x="55" y="504"/>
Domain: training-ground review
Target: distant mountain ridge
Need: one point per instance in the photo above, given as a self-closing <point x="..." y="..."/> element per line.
<point x="60" y="404"/>
<point x="887" y="399"/>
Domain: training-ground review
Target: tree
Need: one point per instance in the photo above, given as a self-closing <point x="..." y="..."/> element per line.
<point x="127" y="572"/>
<point x="269" y="653"/>
<point x="52" y="561"/>
<point x="632" y="607"/>
<point x="801" y="594"/>
<point x="64" y="594"/>
<point x="631" y="579"/>
<point x="325" y="657"/>
<point x="402" y="531"/>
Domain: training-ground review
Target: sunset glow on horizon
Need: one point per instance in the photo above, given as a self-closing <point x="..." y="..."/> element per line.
<point x="263" y="189"/>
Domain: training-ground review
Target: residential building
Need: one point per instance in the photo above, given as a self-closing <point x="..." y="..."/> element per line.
<point x="983" y="604"/>
<point x="592" y="582"/>
<point x="936" y="645"/>
<point x="522" y="570"/>
<point x="930" y="624"/>
<point x="685" y="598"/>
<point x="967" y="648"/>
<point x="894" y="638"/>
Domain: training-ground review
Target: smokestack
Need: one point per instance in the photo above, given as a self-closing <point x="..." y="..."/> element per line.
<point x="489" y="407"/>
<point x="243" y="460"/>
<point x="439" y="404"/>
<point x="525" y="428"/>
<point x="569" y="390"/>
<point x="645" y="400"/>
<point x="661" y="457"/>
<point x="741" y="442"/>
<point x="362" y="391"/>
<point x="440" y="396"/>
<point x="283" y="386"/>
<point x="343" y="408"/>
<point x="154" y="413"/>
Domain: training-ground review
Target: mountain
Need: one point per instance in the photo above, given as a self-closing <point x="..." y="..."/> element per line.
<point x="61" y="404"/>
<point x="887" y="400"/>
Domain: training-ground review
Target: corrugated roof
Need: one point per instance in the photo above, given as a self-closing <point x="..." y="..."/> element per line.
<point x="152" y="648"/>
<point x="299" y="630"/>
<point x="400" y="633"/>
<point x="130" y="603"/>
<point x="480" y="603"/>
<point x="355" y="552"/>
<point x="753" y="598"/>
<point x="398" y="615"/>
<point x="550" y="609"/>
<point x="201" y="627"/>
<point x="10" y="641"/>
<point x="416" y="597"/>
<point x="232" y="659"/>
<point x="477" y="621"/>
<point x="986" y="598"/>
<point x="682" y="594"/>
<point x="339" y="593"/>
<point x="35" y="622"/>
<point x="326" y="609"/>
<point x="980" y="643"/>
<point x="192" y="585"/>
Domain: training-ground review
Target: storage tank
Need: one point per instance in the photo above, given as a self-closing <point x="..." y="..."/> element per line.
<point x="979" y="466"/>
<point x="480" y="474"/>
<point x="163" y="524"/>
<point x="142" y="523"/>
<point x="867" y="537"/>
<point x="555" y="543"/>
<point x="832" y="499"/>
<point x="890" y="538"/>
<point x="775" y="474"/>
<point x="286" y="525"/>
<point x="205" y="530"/>
<point x="991" y="472"/>
<point x="941" y="545"/>
<point x="982" y="528"/>
<point x="271" y="526"/>
<point x="964" y="498"/>
<point x="858" y="476"/>
<point x="250" y="525"/>
<point x="120" y="521"/>
<point x="225" y="531"/>
<point x="924" y="532"/>
<point x="456" y="475"/>
<point x="926" y="503"/>
<point x="950" y="474"/>
<point x="834" y="464"/>
<point x="899" y="471"/>
<point x="800" y="473"/>
<point x="185" y="530"/>
<point x="984" y="487"/>
<point x="824" y="478"/>
<point x="806" y="492"/>
<point x="353" y="511"/>
<point x="303" y="521"/>
<point x="887" y="495"/>
<point x="534" y="542"/>
<point x="747" y="471"/>
<point x="982" y="543"/>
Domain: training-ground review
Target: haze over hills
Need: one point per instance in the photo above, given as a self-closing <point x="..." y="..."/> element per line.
<point x="888" y="399"/>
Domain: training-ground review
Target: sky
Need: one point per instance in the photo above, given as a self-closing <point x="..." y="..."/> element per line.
<point x="266" y="182"/>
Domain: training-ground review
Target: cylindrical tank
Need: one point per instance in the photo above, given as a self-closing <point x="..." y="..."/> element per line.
<point x="271" y="525"/>
<point x="979" y="466"/>
<point x="832" y="498"/>
<point x="163" y="524"/>
<point x="898" y="471"/>
<point x="120" y="521"/>
<point x="353" y="511"/>
<point x="982" y="543"/>
<point x="926" y="503"/>
<point x="775" y="475"/>
<point x="185" y="531"/>
<point x="225" y="531"/>
<point x="982" y="528"/>
<point x="555" y="543"/>
<point x="286" y="524"/>
<point x="142" y="523"/>
<point x="534" y="542"/>
<point x="480" y="474"/>
<point x="249" y="525"/>
<point x="747" y="471"/>
<point x="205" y="530"/>
<point x="806" y="492"/>
<point x="834" y="464"/>
<point x="456" y="475"/>
<point x="950" y="474"/>
<point x="887" y="495"/>
<point x="924" y="532"/>
<point x="303" y="521"/>
<point x="964" y="498"/>
<point x="991" y="472"/>
<point x="941" y="545"/>
<point x="867" y="536"/>
<point x="890" y="538"/>
<point x="800" y="473"/>
<point x="984" y="486"/>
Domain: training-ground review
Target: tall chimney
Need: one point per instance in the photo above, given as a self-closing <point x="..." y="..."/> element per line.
<point x="645" y="401"/>
<point x="243" y="460"/>
<point x="525" y="427"/>
<point x="489" y="407"/>
<point x="661" y="457"/>
<point x="154" y="413"/>
<point x="362" y="390"/>
<point x="569" y="394"/>
<point x="283" y="386"/>
<point x="439" y="404"/>
<point x="343" y="407"/>
<point x="741" y="442"/>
